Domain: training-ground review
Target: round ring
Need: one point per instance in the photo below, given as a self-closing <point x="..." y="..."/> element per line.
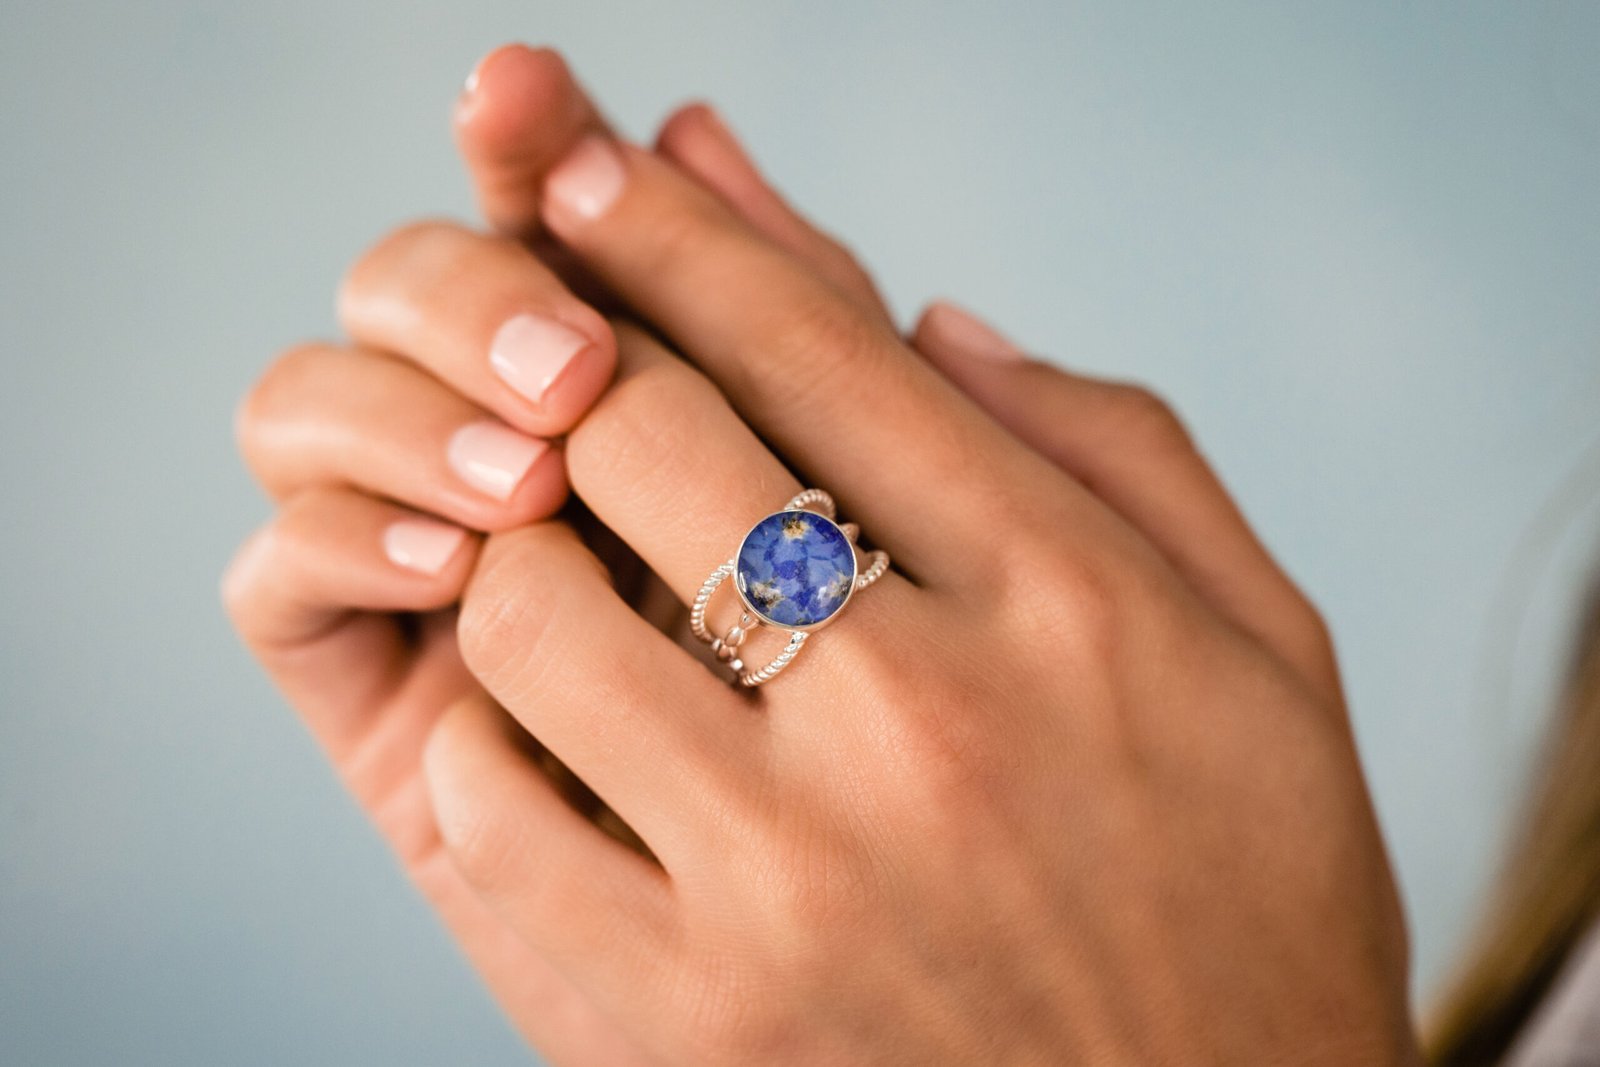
<point x="795" y="570"/>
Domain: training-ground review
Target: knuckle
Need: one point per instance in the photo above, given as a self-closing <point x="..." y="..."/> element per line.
<point x="429" y="237"/>
<point x="1142" y="412"/>
<point x="492" y="621"/>
<point x="274" y="393"/>
<point x="678" y="236"/>
<point x="272" y="560"/>
<point x="241" y="580"/>
<point x="1317" y="635"/>
<point x="507" y="622"/>
<point x="303" y="519"/>
<point x="845" y="266"/>
<point x="1310" y="620"/>
<point x="1058" y="601"/>
<point x="833" y="341"/>
<point x="642" y="429"/>
<point x="479" y="840"/>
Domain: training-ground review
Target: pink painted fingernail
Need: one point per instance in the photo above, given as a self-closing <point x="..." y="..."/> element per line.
<point x="422" y="545"/>
<point x="952" y="330"/>
<point x="492" y="458"/>
<point x="529" y="353"/>
<point x="583" y="186"/>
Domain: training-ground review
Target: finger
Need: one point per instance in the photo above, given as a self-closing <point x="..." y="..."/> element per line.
<point x="293" y="587"/>
<point x="665" y="463"/>
<point x="696" y="139"/>
<point x="1129" y="448"/>
<point x="832" y="388"/>
<point x="370" y="689"/>
<point x="598" y="911"/>
<point x="556" y="1016"/>
<point x="647" y="728"/>
<point x="324" y="415"/>
<point x="311" y="596"/>
<point x="553" y="1014"/>
<point x="485" y="317"/>
<point x="520" y="112"/>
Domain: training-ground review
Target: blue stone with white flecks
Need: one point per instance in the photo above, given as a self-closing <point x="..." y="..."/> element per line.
<point x="795" y="568"/>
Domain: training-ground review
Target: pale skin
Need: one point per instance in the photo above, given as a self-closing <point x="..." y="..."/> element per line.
<point x="1073" y="783"/>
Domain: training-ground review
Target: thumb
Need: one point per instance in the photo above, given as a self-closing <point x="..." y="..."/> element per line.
<point x="519" y="113"/>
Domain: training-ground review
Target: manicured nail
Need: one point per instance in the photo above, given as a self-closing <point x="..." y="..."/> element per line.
<point x="492" y="458"/>
<point x="529" y="353"/>
<point x="422" y="545"/>
<point x="951" y="329"/>
<point x="585" y="184"/>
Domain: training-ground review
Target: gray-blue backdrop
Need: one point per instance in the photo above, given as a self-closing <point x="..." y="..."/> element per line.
<point x="1358" y="245"/>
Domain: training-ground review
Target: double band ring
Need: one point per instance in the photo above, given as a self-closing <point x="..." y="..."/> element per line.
<point x="795" y="570"/>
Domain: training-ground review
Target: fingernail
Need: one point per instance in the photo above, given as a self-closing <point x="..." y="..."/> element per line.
<point x="585" y="184"/>
<point x="529" y="353"/>
<point x="422" y="545"/>
<point x="467" y="99"/>
<point x="492" y="458"/>
<point x="952" y="329"/>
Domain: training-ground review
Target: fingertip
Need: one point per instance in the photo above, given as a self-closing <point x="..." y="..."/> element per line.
<point x="423" y="545"/>
<point x="696" y="136"/>
<point x="923" y="329"/>
<point x="441" y="757"/>
<point x="554" y="364"/>
<point x="509" y="89"/>
<point x="539" y="496"/>
<point x="572" y="395"/>
<point x="244" y="569"/>
<point x="946" y="331"/>
<point x="688" y="120"/>
<point x="520" y="111"/>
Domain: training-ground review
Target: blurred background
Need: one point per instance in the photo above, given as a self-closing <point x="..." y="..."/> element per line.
<point x="1357" y="245"/>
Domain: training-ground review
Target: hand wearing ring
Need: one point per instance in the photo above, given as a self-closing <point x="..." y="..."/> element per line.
<point x="1083" y="729"/>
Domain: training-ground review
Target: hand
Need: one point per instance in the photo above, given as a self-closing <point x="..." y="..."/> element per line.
<point x="391" y="455"/>
<point x="563" y="1025"/>
<point x="1079" y="787"/>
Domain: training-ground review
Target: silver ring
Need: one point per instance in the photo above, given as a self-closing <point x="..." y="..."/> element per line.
<point x="795" y="570"/>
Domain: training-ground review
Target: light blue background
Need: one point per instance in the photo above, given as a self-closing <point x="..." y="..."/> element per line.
<point x="1358" y="245"/>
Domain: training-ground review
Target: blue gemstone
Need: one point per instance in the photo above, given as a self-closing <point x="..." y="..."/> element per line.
<point x="795" y="568"/>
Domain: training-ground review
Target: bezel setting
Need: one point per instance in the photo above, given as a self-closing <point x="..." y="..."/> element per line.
<point x="748" y="602"/>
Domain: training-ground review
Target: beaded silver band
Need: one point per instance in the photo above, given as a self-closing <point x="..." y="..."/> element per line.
<point x="726" y="647"/>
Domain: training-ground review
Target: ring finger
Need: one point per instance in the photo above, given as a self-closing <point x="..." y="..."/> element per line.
<point x="667" y="464"/>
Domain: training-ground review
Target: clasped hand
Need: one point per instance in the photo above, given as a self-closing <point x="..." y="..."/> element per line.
<point x="1073" y="782"/>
